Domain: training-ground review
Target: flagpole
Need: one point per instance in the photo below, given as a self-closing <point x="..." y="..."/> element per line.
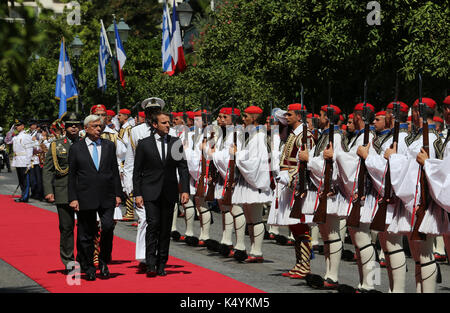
<point x="116" y="60"/>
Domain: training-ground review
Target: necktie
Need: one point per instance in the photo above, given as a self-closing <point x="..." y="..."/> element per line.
<point x="95" y="154"/>
<point x="163" y="150"/>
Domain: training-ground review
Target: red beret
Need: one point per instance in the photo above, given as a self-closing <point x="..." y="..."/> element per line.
<point x="227" y="111"/>
<point x="428" y="101"/>
<point x="447" y="100"/>
<point x="350" y="116"/>
<point x="344" y="127"/>
<point x="310" y="115"/>
<point x="438" y="119"/>
<point x="176" y="114"/>
<point x="337" y="111"/>
<point x="295" y="107"/>
<point x="253" y="110"/>
<point x="141" y="114"/>
<point x="341" y="118"/>
<point x="381" y="113"/>
<point x="359" y="107"/>
<point x="110" y="113"/>
<point x="124" y="111"/>
<point x="190" y="114"/>
<point x="403" y="106"/>
<point x="96" y="107"/>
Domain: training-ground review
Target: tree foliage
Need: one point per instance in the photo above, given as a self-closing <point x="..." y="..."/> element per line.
<point x="257" y="51"/>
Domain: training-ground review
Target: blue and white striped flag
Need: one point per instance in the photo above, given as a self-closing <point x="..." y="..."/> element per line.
<point x="104" y="53"/>
<point x="65" y="83"/>
<point x="166" y="38"/>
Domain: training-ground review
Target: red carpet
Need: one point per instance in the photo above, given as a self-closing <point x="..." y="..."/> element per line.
<point x="29" y="241"/>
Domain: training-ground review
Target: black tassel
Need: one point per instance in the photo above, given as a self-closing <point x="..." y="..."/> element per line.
<point x="345" y="289"/>
<point x="191" y="241"/>
<point x="175" y="235"/>
<point x="314" y="281"/>
<point x="212" y="245"/>
<point x="224" y="250"/>
<point x="240" y="255"/>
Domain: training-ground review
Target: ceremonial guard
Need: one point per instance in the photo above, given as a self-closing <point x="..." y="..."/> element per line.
<point x="124" y="135"/>
<point x="409" y="184"/>
<point x="286" y="187"/>
<point x="356" y="186"/>
<point x="252" y="189"/>
<point x="22" y="145"/>
<point x="325" y="200"/>
<point x="55" y="178"/>
<point x="220" y="154"/>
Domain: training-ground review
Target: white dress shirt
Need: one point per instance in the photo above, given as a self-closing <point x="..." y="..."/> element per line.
<point x="158" y="139"/>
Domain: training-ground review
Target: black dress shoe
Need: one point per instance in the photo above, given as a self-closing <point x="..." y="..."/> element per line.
<point x="161" y="271"/>
<point x="142" y="268"/>
<point x="151" y="271"/>
<point x="90" y="276"/>
<point x="104" y="271"/>
<point x="20" y="200"/>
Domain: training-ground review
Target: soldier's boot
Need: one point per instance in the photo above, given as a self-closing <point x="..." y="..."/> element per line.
<point x="302" y="265"/>
<point x="239" y="252"/>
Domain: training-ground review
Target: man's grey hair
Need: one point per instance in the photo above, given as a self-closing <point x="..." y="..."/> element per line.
<point x="92" y="118"/>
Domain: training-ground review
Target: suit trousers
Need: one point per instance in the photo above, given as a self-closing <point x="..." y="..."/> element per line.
<point x="66" y="218"/>
<point x="159" y="215"/>
<point x="87" y="229"/>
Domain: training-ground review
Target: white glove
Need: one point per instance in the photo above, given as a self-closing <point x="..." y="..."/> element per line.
<point x="283" y="178"/>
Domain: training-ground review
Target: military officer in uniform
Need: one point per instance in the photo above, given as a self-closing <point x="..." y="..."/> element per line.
<point x="22" y="145"/>
<point x="55" y="180"/>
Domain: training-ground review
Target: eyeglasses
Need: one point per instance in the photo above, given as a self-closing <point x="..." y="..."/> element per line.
<point x="101" y="114"/>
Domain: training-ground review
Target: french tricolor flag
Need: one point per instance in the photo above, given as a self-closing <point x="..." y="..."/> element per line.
<point x="121" y="56"/>
<point x="178" y="61"/>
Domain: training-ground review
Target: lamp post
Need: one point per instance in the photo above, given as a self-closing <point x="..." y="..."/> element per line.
<point x="76" y="47"/>
<point x="123" y="30"/>
<point x="185" y="13"/>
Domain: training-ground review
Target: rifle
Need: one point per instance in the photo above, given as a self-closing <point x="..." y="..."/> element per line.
<point x="271" y="122"/>
<point x="200" y="192"/>
<point x="320" y="216"/>
<point x="424" y="196"/>
<point x="355" y="214"/>
<point x="300" y="186"/>
<point x="379" y="221"/>
<point x="212" y="170"/>
<point x="229" y="186"/>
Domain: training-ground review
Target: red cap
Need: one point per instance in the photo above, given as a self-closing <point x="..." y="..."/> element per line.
<point x="337" y="111"/>
<point x="228" y="111"/>
<point x="253" y="110"/>
<point x="438" y="119"/>
<point x="341" y="118"/>
<point x="447" y="100"/>
<point x="199" y="112"/>
<point x="428" y="101"/>
<point x="176" y="114"/>
<point x="344" y="127"/>
<point x="403" y="106"/>
<point x="295" y="107"/>
<point x="110" y="113"/>
<point x="96" y="107"/>
<point x="310" y="115"/>
<point x="350" y="116"/>
<point x="409" y="118"/>
<point x="141" y="114"/>
<point x="381" y="113"/>
<point x="190" y="114"/>
<point x="360" y="106"/>
<point x="124" y="111"/>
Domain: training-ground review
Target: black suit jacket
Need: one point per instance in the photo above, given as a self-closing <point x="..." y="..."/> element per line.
<point x="94" y="189"/>
<point x="153" y="178"/>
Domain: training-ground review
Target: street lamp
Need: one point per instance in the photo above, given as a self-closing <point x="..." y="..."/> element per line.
<point x="185" y="13"/>
<point x="123" y="30"/>
<point x="76" y="46"/>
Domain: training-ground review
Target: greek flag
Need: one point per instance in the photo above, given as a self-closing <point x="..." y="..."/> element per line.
<point x="104" y="53"/>
<point x="166" y="38"/>
<point x="65" y="84"/>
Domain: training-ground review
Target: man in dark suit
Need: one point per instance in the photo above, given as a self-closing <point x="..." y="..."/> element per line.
<point x="94" y="187"/>
<point x="155" y="185"/>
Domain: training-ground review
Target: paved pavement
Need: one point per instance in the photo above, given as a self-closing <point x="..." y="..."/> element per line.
<point x="265" y="276"/>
